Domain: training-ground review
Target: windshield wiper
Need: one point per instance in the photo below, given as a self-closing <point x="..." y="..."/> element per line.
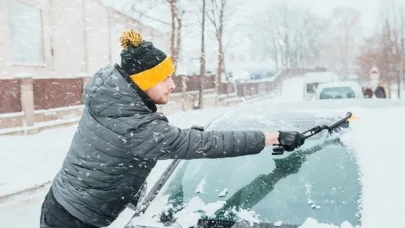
<point x="141" y="208"/>
<point x="214" y="223"/>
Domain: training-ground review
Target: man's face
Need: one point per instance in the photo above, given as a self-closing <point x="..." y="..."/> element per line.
<point x="161" y="91"/>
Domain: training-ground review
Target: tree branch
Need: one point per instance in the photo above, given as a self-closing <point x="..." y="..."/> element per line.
<point x="143" y="14"/>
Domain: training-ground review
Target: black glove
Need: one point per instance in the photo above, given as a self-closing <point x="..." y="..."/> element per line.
<point x="291" y="140"/>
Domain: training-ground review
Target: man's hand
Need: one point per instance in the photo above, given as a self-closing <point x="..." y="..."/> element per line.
<point x="271" y="138"/>
<point x="290" y="140"/>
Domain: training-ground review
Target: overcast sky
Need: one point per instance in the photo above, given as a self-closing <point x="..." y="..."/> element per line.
<point x="369" y="9"/>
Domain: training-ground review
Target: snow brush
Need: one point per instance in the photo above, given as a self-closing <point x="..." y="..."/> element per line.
<point x="335" y="127"/>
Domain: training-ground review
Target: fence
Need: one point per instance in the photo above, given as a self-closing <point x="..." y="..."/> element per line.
<point x="29" y="105"/>
<point x="10" y="96"/>
<point x="193" y="84"/>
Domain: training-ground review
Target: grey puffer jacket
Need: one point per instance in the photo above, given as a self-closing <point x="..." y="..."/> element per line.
<point x="118" y="141"/>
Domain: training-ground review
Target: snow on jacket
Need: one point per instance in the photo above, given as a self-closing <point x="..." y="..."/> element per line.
<point x="118" y="141"/>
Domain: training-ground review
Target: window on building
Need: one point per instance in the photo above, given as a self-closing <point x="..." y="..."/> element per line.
<point x="26" y="34"/>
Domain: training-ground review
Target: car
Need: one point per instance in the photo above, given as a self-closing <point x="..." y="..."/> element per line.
<point x="339" y="90"/>
<point x="320" y="180"/>
<point x="313" y="79"/>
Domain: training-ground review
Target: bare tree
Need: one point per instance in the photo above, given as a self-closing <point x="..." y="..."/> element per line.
<point x="149" y="6"/>
<point x="219" y="13"/>
<point x="175" y="44"/>
<point x="292" y="37"/>
<point x="176" y="24"/>
<point x="306" y="38"/>
<point x="344" y="28"/>
<point x="270" y="35"/>
<point x="392" y="44"/>
<point x="401" y="76"/>
<point x="202" y="58"/>
<point x="369" y="57"/>
<point x="386" y="49"/>
<point x="176" y="28"/>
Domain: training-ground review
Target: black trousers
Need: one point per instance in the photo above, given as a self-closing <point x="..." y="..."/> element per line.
<point x="54" y="215"/>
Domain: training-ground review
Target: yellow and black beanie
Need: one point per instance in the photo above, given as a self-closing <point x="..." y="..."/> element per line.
<point x="144" y="63"/>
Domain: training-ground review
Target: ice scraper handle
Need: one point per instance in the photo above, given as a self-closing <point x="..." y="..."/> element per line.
<point x="278" y="150"/>
<point x="314" y="131"/>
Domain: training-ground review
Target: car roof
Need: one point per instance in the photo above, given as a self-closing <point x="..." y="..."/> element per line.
<point x="339" y="84"/>
<point x="307" y="109"/>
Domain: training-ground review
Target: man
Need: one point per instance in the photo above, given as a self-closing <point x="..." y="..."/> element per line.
<point x="367" y="92"/>
<point x="120" y="137"/>
<point x="379" y="92"/>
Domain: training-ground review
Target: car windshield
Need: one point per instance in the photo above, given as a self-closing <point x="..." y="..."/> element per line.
<point x="337" y="93"/>
<point x="319" y="182"/>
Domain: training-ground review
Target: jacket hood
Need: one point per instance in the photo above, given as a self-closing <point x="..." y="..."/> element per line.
<point x="111" y="92"/>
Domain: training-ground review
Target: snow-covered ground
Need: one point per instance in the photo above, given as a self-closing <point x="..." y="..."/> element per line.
<point x="292" y="90"/>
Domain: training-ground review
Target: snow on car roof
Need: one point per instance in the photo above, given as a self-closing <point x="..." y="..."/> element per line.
<point x="339" y="84"/>
<point x="283" y="110"/>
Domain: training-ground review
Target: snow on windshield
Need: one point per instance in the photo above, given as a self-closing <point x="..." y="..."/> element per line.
<point x="378" y="140"/>
<point x="376" y="137"/>
<point x="187" y="217"/>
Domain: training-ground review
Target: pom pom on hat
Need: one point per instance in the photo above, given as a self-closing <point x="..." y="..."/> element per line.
<point x="130" y="38"/>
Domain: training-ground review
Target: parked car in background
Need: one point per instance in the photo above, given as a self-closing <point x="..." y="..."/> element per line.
<point x="339" y="90"/>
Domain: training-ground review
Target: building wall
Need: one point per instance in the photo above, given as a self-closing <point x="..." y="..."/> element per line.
<point x="68" y="37"/>
<point x="76" y="37"/>
<point x="9" y="68"/>
<point x="98" y="36"/>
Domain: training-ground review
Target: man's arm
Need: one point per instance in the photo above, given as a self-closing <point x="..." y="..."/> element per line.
<point x="159" y="140"/>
